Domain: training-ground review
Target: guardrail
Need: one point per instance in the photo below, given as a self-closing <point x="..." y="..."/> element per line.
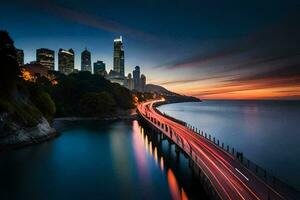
<point x="264" y="174"/>
<point x="186" y="147"/>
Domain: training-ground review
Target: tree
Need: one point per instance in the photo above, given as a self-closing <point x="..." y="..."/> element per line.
<point x="122" y="96"/>
<point x="10" y="70"/>
<point x="45" y="104"/>
<point x="97" y="104"/>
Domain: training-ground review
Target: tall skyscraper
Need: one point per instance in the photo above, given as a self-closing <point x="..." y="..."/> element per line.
<point x="143" y="83"/>
<point x="20" y="57"/>
<point x="45" y="57"/>
<point x="129" y="82"/>
<point x="86" y="61"/>
<point x="99" y="68"/>
<point x="136" y="78"/>
<point x="66" y="61"/>
<point x="119" y="61"/>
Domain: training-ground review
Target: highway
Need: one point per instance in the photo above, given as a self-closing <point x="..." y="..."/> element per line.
<point x="229" y="178"/>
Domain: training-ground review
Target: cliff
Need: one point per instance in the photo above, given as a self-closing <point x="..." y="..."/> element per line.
<point x="21" y="122"/>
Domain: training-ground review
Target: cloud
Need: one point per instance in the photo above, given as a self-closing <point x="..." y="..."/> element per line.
<point x="89" y="19"/>
<point x="289" y="72"/>
<point x="273" y="42"/>
<point x="268" y="61"/>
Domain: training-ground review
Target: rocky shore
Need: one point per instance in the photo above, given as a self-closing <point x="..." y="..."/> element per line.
<point x="27" y="136"/>
<point x="19" y="136"/>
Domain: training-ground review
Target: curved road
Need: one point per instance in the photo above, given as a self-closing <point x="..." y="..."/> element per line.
<point x="230" y="179"/>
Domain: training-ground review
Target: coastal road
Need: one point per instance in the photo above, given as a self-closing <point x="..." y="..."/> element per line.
<point x="229" y="178"/>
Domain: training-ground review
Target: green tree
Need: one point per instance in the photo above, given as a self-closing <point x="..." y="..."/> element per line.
<point x="122" y="96"/>
<point x="97" y="104"/>
<point x="45" y="104"/>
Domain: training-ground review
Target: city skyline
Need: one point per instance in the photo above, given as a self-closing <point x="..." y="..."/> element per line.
<point x="206" y="51"/>
<point x="45" y="58"/>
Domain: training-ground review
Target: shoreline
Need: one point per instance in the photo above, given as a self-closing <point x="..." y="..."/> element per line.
<point x="39" y="135"/>
<point x="123" y="115"/>
<point x="24" y="136"/>
<point x="30" y="142"/>
<point x="130" y="117"/>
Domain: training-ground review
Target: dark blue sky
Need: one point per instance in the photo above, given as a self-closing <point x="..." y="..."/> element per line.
<point x="206" y="45"/>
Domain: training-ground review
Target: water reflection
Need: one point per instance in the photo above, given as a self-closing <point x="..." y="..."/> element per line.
<point x="175" y="190"/>
<point x="138" y="146"/>
<point x="98" y="160"/>
<point x="151" y="147"/>
<point x="120" y="157"/>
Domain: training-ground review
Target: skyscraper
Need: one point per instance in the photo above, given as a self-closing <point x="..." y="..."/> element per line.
<point x="99" y="68"/>
<point x="119" y="56"/>
<point x="20" y="57"/>
<point x="143" y="83"/>
<point x="86" y="61"/>
<point x="129" y="82"/>
<point x="45" y="57"/>
<point x="136" y="78"/>
<point x="66" y="61"/>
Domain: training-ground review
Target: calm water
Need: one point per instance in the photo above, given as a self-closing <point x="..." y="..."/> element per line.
<point x="98" y="160"/>
<point x="268" y="132"/>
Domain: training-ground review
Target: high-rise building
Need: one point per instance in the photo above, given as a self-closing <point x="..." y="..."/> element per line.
<point x="45" y="57"/>
<point x="119" y="61"/>
<point x="143" y="83"/>
<point x="20" y="57"/>
<point x="115" y="77"/>
<point x="86" y="61"/>
<point x="99" y="68"/>
<point x="66" y="61"/>
<point x="136" y="78"/>
<point x="129" y="82"/>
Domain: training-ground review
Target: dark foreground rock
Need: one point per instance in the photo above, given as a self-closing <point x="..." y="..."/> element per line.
<point x="19" y="136"/>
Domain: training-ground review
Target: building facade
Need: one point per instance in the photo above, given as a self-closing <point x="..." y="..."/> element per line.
<point x="119" y="61"/>
<point x="143" y="83"/>
<point x="45" y="57"/>
<point x="116" y="77"/>
<point x="66" y="61"/>
<point x="136" y="78"/>
<point x="20" y="57"/>
<point x="99" y="68"/>
<point x="129" y="82"/>
<point x="86" y="64"/>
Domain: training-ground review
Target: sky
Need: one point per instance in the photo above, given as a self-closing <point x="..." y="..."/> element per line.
<point x="209" y="49"/>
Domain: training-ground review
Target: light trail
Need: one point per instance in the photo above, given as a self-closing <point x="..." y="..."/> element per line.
<point x="227" y="176"/>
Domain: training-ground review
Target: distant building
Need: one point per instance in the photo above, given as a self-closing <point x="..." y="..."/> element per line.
<point x="119" y="61"/>
<point x="136" y="78"/>
<point x="86" y="61"/>
<point x="129" y="82"/>
<point x="116" y="77"/>
<point x="143" y="83"/>
<point x="66" y="61"/>
<point x="45" y="57"/>
<point x="20" y="57"/>
<point x="99" y="68"/>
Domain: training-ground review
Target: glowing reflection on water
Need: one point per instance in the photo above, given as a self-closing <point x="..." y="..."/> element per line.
<point x="162" y="163"/>
<point x="176" y="192"/>
<point x="143" y="142"/>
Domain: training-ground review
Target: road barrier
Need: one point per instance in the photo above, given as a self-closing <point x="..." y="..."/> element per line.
<point x="265" y="175"/>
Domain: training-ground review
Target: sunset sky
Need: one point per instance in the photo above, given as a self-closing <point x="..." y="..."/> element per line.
<point x="209" y="49"/>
